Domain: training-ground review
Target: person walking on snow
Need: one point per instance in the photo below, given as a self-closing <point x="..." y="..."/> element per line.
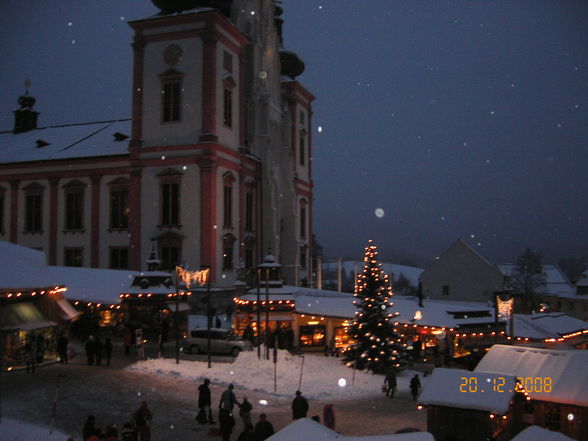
<point x="204" y="401"/>
<point x="143" y="418"/>
<point x="245" y="412"/>
<point x="299" y="406"/>
<point x="329" y="416"/>
<point x="390" y="382"/>
<point x="263" y="429"/>
<point x="415" y="385"/>
<point x="228" y="399"/>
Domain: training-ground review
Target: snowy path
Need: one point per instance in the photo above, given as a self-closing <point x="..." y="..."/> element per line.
<point x="112" y="394"/>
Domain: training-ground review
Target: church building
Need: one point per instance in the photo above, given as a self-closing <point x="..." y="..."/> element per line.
<point x="213" y="167"/>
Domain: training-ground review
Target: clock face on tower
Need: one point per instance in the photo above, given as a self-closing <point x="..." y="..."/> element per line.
<point x="172" y="54"/>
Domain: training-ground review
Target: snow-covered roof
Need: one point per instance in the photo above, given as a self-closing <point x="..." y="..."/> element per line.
<point x="447" y="387"/>
<point x="24" y="267"/>
<point x="556" y="282"/>
<point x="566" y="369"/>
<point x="534" y="433"/>
<point x="546" y="325"/>
<point x="308" y="429"/>
<point x="65" y="142"/>
<point x="437" y="313"/>
<point x="93" y="284"/>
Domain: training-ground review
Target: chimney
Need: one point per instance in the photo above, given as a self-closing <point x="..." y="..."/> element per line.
<point x="25" y="118"/>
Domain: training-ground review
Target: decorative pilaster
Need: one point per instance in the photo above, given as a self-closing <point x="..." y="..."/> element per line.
<point x="135" y="220"/>
<point x="95" y="221"/>
<point x="13" y="229"/>
<point x="208" y="211"/>
<point x="53" y="221"/>
<point x="208" y="133"/>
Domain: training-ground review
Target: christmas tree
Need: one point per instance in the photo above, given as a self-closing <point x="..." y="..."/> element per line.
<point x="375" y="346"/>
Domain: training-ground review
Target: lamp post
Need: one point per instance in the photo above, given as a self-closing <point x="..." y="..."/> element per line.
<point x="258" y="317"/>
<point x="176" y="321"/>
<point x="269" y="264"/>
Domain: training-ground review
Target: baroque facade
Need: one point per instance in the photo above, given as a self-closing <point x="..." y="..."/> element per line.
<point x="213" y="167"/>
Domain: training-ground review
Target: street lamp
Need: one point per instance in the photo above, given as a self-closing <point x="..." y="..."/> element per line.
<point x="269" y="265"/>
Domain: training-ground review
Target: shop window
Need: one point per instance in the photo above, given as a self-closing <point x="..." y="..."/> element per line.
<point x="73" y="257"/>
<point x="312" y="336"/>
<point x="119" y="258"/>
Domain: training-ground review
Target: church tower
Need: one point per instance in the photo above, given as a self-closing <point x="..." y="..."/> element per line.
<point x="220" y="139"/>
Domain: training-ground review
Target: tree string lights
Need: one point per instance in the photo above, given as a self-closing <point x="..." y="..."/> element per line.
<point x="375" y="345"/>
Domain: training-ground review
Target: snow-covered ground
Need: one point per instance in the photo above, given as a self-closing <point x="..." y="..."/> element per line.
<point x="15" y="430"/>
<point x="323" y="378"/>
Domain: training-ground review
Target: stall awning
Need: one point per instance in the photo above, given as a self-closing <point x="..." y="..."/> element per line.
<point x="182" y="306"/>
<point x="67" y="311"/>
<point x="23" y="316"/>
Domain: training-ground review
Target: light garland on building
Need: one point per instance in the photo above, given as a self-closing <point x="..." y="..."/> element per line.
<point x="189" y="277"/>
<point x="19" y="294"/>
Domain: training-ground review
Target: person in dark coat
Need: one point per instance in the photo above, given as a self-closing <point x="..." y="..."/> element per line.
<point x="329" y="416"/>
<point x="204" y="401"/>
<point x="143" y="418"/>
<point x="226" y="423"/>
<point x="390" y="382"/>
<point x="108" y="351"/>
<point x="127" y="342"/>
<point x="245" y="412"/>
<point x="263" y="428"/>
<point x="415" y="385"/>
<point x="228" y="400"/>
<point x="90" y="348"/>
<point x="90" y="428"/>
<point x="31" y="349"/>
<point x="98" y="348"/>
<point x="128" y="432"/>
<point x="62" y="343"/>
<point x="248" y="434"/>
<point x="299" y="406"/>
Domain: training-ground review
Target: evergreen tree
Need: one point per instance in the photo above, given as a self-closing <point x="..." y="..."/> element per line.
<point x="375" y="346"/>
<point x="528" y="279"/>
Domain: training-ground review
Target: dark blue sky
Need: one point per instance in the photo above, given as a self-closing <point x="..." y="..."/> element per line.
<point x="459" y="119"/>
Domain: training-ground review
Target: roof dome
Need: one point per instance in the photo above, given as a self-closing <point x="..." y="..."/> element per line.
<point x="174" y="6"/>
<point x="292" y="65"/>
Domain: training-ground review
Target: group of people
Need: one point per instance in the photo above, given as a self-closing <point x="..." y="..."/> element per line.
<point x="96" y="350"/>
<point x="138" y="429"/>
<point x="390" y="384"/>
<point x="262" y="430"/>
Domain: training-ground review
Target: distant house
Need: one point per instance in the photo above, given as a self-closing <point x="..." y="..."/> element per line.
<point x="556" y="383"/>
<point x="468" y="406"/>
<point x="461" y="273"/>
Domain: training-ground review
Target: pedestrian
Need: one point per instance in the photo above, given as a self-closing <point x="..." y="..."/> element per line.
<point x="98" y="348"/>
<point x="90" y="348"/>
<point x="62" y="344"/>
<point x="299" y="406"/>
<point x="40" y="348"/>
<point x="217" y="323"/>
<point x="111" y="433"/>
<point x="228" y="399"/>
<point x="329" y="416"/>
<point x="128" y="432"/>
<point x="143" y="418"/>
<point x="90" y="430"/>
<point x="108" y="351"/>
<point x="263" y="428"/>
<point x="204" y="403"/>
<point x="415" y="385"/>
<point x="390" y="382"/>
<point x="248" y="434"/>
<point x="226" y="423"/>
<point x="31" y="349"/>
<point x="245" y="412"/>
<point x="127" y="342"/>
